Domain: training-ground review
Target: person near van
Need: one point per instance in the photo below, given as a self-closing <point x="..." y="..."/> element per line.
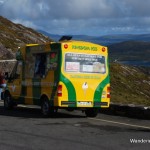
<point x="2" y="82"/>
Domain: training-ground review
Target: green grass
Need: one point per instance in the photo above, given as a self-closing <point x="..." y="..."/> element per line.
<point x="129" y="85"/>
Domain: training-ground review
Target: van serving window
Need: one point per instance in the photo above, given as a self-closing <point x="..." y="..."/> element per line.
<point x="40" y="65"/>
<point x="84" y="63"/>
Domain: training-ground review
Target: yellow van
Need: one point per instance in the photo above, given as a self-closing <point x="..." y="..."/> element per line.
<point x="66" y="74"/>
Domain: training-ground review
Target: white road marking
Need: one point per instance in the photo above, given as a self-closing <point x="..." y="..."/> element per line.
<point x="1" y="102"/>
<point x="122" y="123"/>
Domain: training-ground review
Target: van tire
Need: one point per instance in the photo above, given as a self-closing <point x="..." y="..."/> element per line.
<point x="8" y="102"/>
<point x="46" y="109"/>
<point x="91" y="112"/>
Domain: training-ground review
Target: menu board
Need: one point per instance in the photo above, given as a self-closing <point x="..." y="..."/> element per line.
<point x="84" y="63"/>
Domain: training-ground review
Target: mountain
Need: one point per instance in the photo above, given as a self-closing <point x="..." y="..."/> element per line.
<point x="131" y="52"/>
<point x="103" y="40"/>
<point x="56" y="37"/>
<point x="112" y="39"/>
<point x="14" y="35"/>
<point x="124" y="48"/>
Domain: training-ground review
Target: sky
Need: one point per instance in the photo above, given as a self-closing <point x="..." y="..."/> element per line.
<point x="80" y="17"/>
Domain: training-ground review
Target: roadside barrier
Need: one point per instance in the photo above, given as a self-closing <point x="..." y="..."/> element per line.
<point x="129" y="110"/>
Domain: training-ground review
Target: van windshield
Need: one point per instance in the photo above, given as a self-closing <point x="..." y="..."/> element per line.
<point x="85" y="63"/>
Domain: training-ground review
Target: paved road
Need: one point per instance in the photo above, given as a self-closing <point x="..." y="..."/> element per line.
<point x="25" y="129"/>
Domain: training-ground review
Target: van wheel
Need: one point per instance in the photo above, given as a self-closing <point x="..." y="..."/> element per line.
<point x="91" y="112"/>
<point x="8" y="103"/>
<point x="46" y="109"/>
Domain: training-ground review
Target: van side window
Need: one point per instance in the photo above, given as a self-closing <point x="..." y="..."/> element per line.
<point x="40" y="65"/>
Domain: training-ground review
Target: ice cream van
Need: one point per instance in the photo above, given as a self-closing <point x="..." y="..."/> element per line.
<point x="60" y="75"/>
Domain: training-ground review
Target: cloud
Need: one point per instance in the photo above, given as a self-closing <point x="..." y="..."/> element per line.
<point x="80" y="16"/>
<point x="1" y="2"/>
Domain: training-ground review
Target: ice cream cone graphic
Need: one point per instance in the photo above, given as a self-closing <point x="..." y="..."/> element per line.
<point x="85" y="87"/>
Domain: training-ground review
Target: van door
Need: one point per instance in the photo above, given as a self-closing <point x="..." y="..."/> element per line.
<point x="14" y="83"/>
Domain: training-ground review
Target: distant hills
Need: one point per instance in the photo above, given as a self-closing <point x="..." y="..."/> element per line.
<point x="131" y="52"/>
<point x="124" y="48"/>
<point x="105" y="39"/>
<point x="113" y="39"/>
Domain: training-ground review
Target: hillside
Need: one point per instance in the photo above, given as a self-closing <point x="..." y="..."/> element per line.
<point x="14" y="35"/>
<point x="131" y="52"/>
<point x="130" y="85"/>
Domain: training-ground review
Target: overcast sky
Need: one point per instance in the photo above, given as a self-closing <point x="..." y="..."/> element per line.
<point x="84" y="17"/>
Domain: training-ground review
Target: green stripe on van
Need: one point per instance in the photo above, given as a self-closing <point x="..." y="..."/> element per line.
<point x="71" y="90"/>
<point x="101" y="86"/>
<point x="99" y="89"/>
<point x="69" y="86"/>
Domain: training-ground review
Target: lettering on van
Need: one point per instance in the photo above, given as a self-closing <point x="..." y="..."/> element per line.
<point x="85" y="77"/>
<point x="93" y="48"/>
<point x="48" y="84"/>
